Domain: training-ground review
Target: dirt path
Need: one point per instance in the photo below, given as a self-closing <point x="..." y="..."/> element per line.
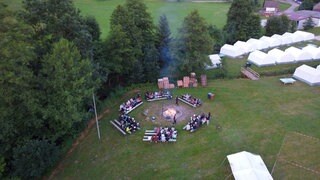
<point x="75" y="144"/>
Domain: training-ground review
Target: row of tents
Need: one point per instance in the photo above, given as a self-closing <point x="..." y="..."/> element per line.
<point x="265" y="42"/>
<point x="290" y="55"/>
<point x="308" y="74"/>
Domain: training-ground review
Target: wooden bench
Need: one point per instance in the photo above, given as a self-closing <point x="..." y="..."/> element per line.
<point x="193" y="105"/>
<point x="127" y="112"/>
<point x="157" y="99"/>
<point x="115" y="125"/>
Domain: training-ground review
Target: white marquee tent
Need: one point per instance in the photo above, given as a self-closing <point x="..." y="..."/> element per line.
<point x="315" y="52"/>
<point x="308" y="75"/>
<point x="305" y="36"/>
<point x="245" y="47"/>
<point x="272" y="42"/>
<point x="281" y="57"/>
<point x="260" y="58"/>
<point x="257" y="44"/>
<point x="298" y="54"/>
<point x="288" y="38"/>
<point x="280" y="38"/>
<point x="248" y="166"/>
<point x="318" y="67"/>
<point x="215" y="60"/>
<point x="230" y="50"/>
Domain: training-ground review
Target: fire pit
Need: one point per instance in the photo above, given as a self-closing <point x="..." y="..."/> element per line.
<point x="169" y="113"/>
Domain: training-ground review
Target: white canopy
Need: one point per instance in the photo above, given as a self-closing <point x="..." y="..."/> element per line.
<point x="305" y="36"/>
<point x="230" y="50"/>
<point x="288" y="38"/>
<point x="215" y="60"/>
<point x="245" y="47"/>
<point x="318" y="67"/>
<point x="272" y="42"/>
<point x="248" y="166"/>
<point x="298" y="54"/>
<point x="257" y="44"/>
<point x="280" y="38"/>
<point x="308" y="75"/>
<point x="315" y="52"/>
<point x="281" y="57"/>
<point x="260" y="58"/>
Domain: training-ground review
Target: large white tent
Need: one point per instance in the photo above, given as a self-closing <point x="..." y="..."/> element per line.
<point x="315" y="52"/>
<point x="248" y="166"/>
<point x="318" y="67"/>
<point x="245" y="47"/>
<point x="305" y="36"/>
<point x="280" y="38"/>
<point x="288" y="38"/>
<point x="257" y="44"/>
<point x="260" y="58"/>
<point x="281" y="57"/>
<point x="308" y="75"/>
<point x="272" y="42"/>
<point x="215" y="61"/>
<point x="231" y="51"/>
<point x="298" y="54"/>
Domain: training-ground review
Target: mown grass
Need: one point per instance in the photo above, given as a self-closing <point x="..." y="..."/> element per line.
<point x="254" y="115"/>
<point x="283" y="6"/>
<point x="213" y="13"/>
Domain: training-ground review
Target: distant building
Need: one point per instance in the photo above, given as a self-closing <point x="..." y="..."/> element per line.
<point x="316" y="7"/>
<point x="270" y="8"/>
<point x="301" y="16"/>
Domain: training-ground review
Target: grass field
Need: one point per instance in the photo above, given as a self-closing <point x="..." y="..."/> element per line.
<point x="254" y="115"/>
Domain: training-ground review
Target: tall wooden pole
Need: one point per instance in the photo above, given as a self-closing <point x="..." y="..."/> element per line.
<point x="95" y="112"/>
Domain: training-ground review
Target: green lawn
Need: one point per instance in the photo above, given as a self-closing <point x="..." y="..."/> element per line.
<point x="254" y="115"/>
<point x="283" y="6"/>
<point x="214" y="13"/>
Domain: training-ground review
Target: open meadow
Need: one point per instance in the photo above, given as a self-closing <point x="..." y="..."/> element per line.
<point x="254" y="116"/>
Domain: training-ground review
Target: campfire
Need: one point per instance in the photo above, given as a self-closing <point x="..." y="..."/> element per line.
<point x="169" y="113"/>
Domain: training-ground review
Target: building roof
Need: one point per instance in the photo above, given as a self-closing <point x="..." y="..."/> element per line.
<point x="304" y="14"/>
<point x="272" y="4"/>
<point x="316" y="7"/>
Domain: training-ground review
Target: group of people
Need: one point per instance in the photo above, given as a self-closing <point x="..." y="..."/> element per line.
<point x="130" y="104"/>
<point x="196" y="121"/>
<point x="128" y="124"/>
<point x="164" y="134"/>
<point x="191" y="100"/>
<point x="155" y="95"/>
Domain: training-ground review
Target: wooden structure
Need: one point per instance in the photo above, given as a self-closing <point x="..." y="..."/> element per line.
<point x="164" y="83"/>
<point x="203" y="80"/>
<point x="250" y="73"/>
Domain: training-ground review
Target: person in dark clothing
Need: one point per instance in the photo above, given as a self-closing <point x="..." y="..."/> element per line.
<point x="174" y="119"/>
<point x="177" y="101"/>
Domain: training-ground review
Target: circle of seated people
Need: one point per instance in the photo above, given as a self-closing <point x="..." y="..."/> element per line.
<point x="196" y="121"/>
<point x="191" y="100"/>
<point x="151" y="96"/>
<point x="128" y="124"/>
<point x="129" y="105"/>
<point x="161" y="134"/>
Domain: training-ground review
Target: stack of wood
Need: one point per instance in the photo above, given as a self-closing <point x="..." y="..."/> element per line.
<point x="164" y="83"/>
<point x="186" y="81"/>
<point x="203" y="80"/>
<point x="193" y="80"/>
<point x="180" y="83"/>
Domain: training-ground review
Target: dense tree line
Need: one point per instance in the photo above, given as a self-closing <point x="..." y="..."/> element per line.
<point x="52" y="60"/>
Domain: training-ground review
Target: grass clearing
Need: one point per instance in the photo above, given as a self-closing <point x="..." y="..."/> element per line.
<point x="283" y="6"/>
<point x="254" y="115"/>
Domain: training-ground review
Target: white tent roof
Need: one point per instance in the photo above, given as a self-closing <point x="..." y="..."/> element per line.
<point x="298" y="54"/>
<point x="248" y="166"/>
<point x="308" y="75"/>
<point x="281" y="57"/>
<point x="272" y="42"/>
<point x="257" y="44"/>
<point x="280" y="38"/>
<point x="306" y="36"/>
<point x="260" y="58"/>
<point x="230" y="50"/>
<point x="215" y="60"/>
<point x="315" y="52"/>
<point x="246" y="47"/>
<point x="318" y="67"/>
<point x="288" y="38"/>
<point x="276" y="40"/>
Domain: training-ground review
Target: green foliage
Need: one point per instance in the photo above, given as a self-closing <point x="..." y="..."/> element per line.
<point x="66" y="82"/>
<point x="2" y="166"/>
<point x="33" y="158"/>
<point x="194" y="44"/>
<point x="241" y="23"/>
<point x="218" y="36"/>
<point x="308" y="24"/>
<point x="163" y="40"/>
<point x="306" y="5"/>
<point x="277" y="25"/>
